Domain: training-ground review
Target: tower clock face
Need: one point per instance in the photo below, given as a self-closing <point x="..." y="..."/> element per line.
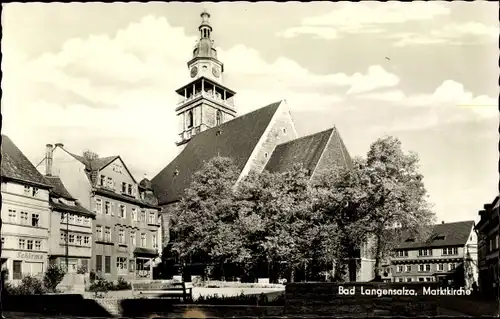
<point x="194" y="71"/>
<point x="216" y="72"/>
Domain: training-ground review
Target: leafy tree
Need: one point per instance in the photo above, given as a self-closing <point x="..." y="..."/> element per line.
<point x="366" y="201"/>
<point x="204" y="223"/>
<point x="398" y="198"/>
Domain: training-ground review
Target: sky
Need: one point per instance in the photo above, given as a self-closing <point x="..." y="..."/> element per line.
<point x="102" y="77"/>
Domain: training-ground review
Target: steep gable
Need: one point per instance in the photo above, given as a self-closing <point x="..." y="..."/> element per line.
<point x="334" y="154"/>
<point x="306" y="150"/>
<point x="16" y="166"/>
<point x="107" y="163"/>
<point x="236" y="139"/>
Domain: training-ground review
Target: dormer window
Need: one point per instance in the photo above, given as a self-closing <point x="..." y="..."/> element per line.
<point x="102" y="180"/>
<point x="176" y="172"/>
<point x="218" y="132"/>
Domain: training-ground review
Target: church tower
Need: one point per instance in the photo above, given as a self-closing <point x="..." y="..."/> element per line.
<point x="204" y="102"/>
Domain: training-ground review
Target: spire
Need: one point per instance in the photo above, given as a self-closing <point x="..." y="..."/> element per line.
<point x="205" y="46"/>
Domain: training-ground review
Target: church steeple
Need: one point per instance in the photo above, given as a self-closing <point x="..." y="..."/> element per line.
<point x="205" y="101"/>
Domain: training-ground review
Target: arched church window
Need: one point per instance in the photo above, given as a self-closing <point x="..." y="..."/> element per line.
<point x="219" y="117"/>
<point x="190" y="119"/>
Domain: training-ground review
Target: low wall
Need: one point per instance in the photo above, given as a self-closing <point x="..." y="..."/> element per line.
<point x="162" y="307"/>
<point x="352" y="299"/>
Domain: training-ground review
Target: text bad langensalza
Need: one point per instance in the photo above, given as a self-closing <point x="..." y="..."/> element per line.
<point x="403" y="291"/>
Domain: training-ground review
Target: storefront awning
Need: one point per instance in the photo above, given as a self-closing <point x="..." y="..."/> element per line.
<point x="146" y="252"/>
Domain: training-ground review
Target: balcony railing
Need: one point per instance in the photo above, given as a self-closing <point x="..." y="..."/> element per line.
<point x="209" y="95"/>
<point x="187" y="134"/>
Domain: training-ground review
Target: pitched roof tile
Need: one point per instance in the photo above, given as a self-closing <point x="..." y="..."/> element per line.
<point x="236" y="139"/>
<point x="58" y="188"/>
<point x="15" y="165"/>
<point x="306" y="150"/>
<point x="452" y="234"/>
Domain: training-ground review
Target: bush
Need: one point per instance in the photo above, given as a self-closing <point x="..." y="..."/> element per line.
<point x="255" y="300"/>
<point x="122" y="284"/>
<point x="81" y="270"/>
<point x="99" y="287"/>
<point x="53" y="276"/>
<point x="92" y="276"/>
<point x="29" y="286"/>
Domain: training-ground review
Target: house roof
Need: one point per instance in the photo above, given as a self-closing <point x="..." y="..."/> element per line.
<point x="16" y="166"/>
<point x="58" y="189"/>
<point x="449" y="234"/>
<point x="235" y="139"/>
<point x="306" y="150"/>
<point x="78" y="209"/>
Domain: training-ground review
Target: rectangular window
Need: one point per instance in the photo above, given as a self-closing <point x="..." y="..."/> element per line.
<point x="143" y="216"/>
<point x="155" y="243"/>
<point x="3" y="242"/>
<point x="428" y="279"/>
<point x="102" y="180"/>
<point x="12" y="216"/>
<point x="24" y="218"/>
<point x="71" y="238"/>
<point x="107" y="264"/>
<point x="107" y="208"/>
<point x="151" y="218"/>
<point x="27" y="190"/>
<point x="402" y="253"/>
<point x="408" y="268"/>
<point x="35" y="220"/>
<point x="400" y="279"/>
<point x="110" y="183"/>
<point x="131" y="265"/>
<point x="132" y="238"/>
<point x="421" y="279"/>
<point x="98" y="206"/>
<point x="121" y="236"/>
<point x="427" y="268"/>
<point x="98" y="231"/>
<point x="16" y="267"/>
<point x="451" y="267"/>
<point x="86" y="240"/>
<point x="399" y="268"/>
<point x="71" y="218"/>
<point x="440" y="267"/>
<point x="124" y="187"/>
<point x="143" y="240"/>
<point x="64" y="237"/>
<point x="78" y="240"/>
<point x="98" y="262"/>
<point x="107" y="234"/>
<point x="421" y="268"/>
<point x="134" y="214"/>
<point x="38" y="245"/>
<point x="409" y="279"/>
<point x="79" y="219"/>
<point x="29" y="245"/>
<point x="34" y="191"/>
<point x="22" y="243"/>
<point x="129" y="189"/>
<point x="425" y="252"/>
<point x="123" y="211"/>
<point x="121" y="265"/>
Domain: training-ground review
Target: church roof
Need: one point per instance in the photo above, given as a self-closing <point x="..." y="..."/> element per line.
<point x="306" y="150"/>
<point x="16" y="166"/>
<point x="442" y="235"/>
<point x="235" y="139"/>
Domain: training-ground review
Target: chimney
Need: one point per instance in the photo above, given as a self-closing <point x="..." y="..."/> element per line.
<point x="61" y="145"/>
<point x="442" y="222"/>
<point x="48" y="159"/>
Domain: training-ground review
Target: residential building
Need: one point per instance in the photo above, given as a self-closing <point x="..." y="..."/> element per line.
<point x="265" y="139"/>
<point x="448" y="255"/>
<point x="25" y="214"/>
<point x="70" y="230"/>
<point x="488" y="243"/>
<point x="126" y="230"/>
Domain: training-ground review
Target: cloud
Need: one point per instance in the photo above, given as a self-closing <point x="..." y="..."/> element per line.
<point x="449" y="94"/>
<point x="124" y="86"/>
<point x="364" y="18"/>
<point x="456" y="34"/>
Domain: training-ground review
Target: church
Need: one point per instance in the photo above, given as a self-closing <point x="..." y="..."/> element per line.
<point x="265" y="139"/>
